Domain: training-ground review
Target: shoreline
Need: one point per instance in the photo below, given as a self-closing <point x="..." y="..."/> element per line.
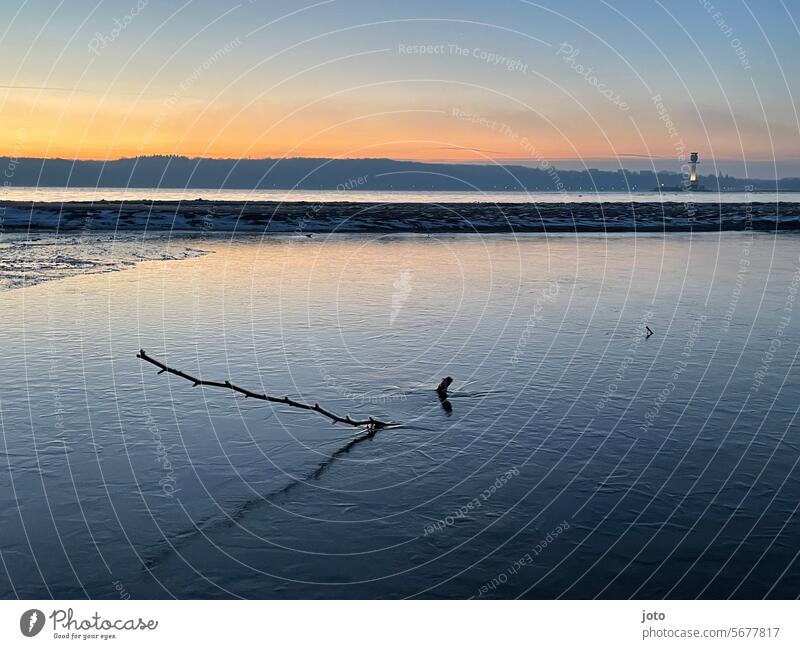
<point x="423" y="218"/>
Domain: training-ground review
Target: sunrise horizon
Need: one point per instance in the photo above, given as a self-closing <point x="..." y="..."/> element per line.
<point x="423" y="83"/>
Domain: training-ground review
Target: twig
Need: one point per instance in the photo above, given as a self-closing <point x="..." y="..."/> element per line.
<point x="441" y="390"/>
<point x="372" y="423"/>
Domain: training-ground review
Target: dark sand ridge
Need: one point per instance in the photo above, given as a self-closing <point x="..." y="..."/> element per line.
<point x="307" y="218"/>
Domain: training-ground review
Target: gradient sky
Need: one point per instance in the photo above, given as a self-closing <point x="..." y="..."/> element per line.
<point x="264" y="79"/>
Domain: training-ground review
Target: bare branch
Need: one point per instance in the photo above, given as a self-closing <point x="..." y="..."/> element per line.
<point x="372" y="423"/>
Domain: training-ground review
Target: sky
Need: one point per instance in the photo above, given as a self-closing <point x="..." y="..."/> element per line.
<point x="588" y="83"/>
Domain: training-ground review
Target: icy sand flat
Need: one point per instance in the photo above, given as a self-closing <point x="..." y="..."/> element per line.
<point x="322" y="217"/>
<point x="29" y="260"/>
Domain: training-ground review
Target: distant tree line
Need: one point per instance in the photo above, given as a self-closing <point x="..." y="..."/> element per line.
<point x="364" y="174"/>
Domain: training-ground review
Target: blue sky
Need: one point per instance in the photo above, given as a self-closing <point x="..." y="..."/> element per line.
<point x="561" y="80"/>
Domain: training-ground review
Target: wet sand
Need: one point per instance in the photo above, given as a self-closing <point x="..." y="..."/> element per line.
<point x="327" y="217"/>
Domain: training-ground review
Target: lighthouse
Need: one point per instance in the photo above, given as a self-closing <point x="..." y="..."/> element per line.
<point x="683" y="186"/>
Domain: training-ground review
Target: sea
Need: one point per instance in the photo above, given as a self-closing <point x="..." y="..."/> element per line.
<point x="577" y="455"/>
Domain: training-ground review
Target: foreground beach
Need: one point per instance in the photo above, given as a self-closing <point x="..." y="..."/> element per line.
<point x="343" y="217"/>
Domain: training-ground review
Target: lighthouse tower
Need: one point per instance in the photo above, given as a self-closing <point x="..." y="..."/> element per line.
<point x="693" y="171"/>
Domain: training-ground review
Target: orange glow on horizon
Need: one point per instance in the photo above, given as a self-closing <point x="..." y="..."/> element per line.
<point x="84" y="127"/>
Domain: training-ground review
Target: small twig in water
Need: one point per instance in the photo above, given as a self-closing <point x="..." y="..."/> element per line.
<point x="442" y="389"/>
<point x="371" y="423"/>
<point x="442" y="392"/>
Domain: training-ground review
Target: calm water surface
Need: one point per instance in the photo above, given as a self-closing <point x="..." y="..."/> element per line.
<point x="60" y="194"/>
<point x="579" y="459"/>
